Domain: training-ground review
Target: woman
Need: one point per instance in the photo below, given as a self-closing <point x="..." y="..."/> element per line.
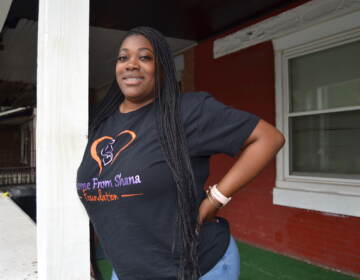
<point x="142" y="175"/>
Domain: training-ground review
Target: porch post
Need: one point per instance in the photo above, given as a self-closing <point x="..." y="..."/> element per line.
<point x="62" y="116"/>
<point x="4" y="10"/>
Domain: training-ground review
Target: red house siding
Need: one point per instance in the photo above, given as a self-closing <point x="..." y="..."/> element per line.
<point x="245" y="80"/>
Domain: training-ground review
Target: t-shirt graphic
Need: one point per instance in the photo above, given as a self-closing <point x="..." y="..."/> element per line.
<point x="105" y="151"/>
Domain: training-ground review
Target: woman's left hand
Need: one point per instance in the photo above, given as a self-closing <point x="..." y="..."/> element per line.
<point x="207" y="211"/>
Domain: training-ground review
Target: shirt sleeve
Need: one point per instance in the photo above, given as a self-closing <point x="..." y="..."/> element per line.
<point x="221" y="128"/>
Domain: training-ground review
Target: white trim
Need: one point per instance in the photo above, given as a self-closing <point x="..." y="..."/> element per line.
<point x="279" y="119"/>
<point x="324" y="111"/>
<point x="342" y="27"/>
<point x="9" y="112"/>
<point x="333" y="40"/>
<point x="301" y="17"/>
<point x="319" y="201"/>
<point x="61" y="136"/>
<point x="4" y="10"/>
<point x="335" y="195"/>
<point x="309" y="185"/>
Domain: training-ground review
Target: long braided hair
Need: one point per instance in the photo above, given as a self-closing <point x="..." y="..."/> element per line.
<point x="173" y="144"/>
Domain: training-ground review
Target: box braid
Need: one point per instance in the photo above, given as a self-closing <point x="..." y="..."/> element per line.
<point x="173" y="143"/>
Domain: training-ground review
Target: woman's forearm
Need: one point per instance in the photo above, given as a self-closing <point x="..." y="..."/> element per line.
<point x="262" y="146"/>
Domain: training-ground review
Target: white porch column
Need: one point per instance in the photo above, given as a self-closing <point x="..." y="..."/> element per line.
<point x="62" y="102"/>
<point x="4" y="10"/>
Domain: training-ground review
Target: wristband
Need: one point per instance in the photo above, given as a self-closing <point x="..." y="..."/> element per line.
<point x="216" y="203"/>
<point x="216" y="194"/>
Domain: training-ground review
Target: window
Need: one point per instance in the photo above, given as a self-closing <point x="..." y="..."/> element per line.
<point x="324" y="113"/>
<point x="318" y="110"/>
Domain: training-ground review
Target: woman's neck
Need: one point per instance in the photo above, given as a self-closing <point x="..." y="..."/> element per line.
<point x="128" y="106"/>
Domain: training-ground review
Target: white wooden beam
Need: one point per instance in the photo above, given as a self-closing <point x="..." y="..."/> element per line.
<point x="4" y="10"/>
<point x="290" y="21"/>
<point x="62" y="116"/>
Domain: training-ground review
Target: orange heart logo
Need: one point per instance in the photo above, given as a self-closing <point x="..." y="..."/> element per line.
<point x="94" y="145"/>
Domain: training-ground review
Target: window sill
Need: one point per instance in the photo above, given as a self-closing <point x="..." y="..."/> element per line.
<point x="320" y="200"/>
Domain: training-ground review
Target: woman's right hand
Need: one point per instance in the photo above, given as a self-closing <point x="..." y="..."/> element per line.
<point x="207" y="211"/>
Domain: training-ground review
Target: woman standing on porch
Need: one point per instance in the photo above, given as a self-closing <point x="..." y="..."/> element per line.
<point x="141" y="179"/>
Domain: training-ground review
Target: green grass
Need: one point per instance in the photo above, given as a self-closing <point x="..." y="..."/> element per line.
<point x="259" y="264"/>
<point x="105" y="269"/>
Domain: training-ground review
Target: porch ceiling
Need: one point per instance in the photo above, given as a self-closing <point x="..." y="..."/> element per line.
<point x="193" y="20"/>
<point x="182" y="22"/>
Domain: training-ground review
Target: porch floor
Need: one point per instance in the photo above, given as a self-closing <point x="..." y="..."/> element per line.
<point x="259" y="264"/>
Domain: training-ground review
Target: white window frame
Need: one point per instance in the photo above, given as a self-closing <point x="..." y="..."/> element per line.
<point x="333" y="195"/>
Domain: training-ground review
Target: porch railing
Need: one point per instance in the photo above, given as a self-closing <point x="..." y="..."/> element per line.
<point x="17" y="176"/>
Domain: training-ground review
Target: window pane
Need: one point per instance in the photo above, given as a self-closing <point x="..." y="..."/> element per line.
<point x="325" y="145"/>
<point x="325" y="79"/>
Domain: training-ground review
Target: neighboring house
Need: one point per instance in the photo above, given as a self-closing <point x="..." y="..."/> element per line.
<point x="17" y="101"/>
<point x="17" y="147"/>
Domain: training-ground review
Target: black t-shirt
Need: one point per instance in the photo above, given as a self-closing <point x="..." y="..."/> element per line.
<point x="130" y="195"/>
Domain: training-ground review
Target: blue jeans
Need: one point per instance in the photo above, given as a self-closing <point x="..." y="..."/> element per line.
<point x="227" y="268"/>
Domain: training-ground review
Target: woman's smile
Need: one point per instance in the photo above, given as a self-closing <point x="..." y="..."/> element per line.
<point x="132" y="80"/>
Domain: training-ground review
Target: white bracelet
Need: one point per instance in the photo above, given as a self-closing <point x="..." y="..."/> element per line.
<point x="219" y="196"/>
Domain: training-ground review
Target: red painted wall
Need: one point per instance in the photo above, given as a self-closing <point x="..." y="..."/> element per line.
<point x="245" y="80"/>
